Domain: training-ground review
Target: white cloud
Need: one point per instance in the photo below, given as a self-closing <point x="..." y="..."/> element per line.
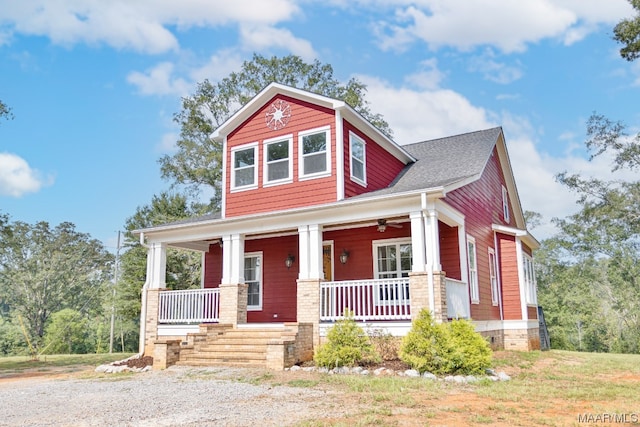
<point x="159" y="80"/>
<point x="17" y="178"/>
<point x="505" y="24"/>
<point x="168" y="143"/>
<point x="259" y="38"/>
<point x="419" y="114"/>
<point x="429" y="77"/>
<point x="494" y="71"/>
<point x="142" y="25"/>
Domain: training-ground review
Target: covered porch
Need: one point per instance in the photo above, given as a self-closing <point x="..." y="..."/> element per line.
<point x="381" y="271"/>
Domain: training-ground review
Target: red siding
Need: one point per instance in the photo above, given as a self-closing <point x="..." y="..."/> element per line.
<point x="481" y="203"/>
<point x="532" y="313"/>
<point x="508" y="266"/>
<point x="304" y="116"/>
<point x="279" y="291"/>
<point x="381" y="167"/>
<point x="358" y="242"/>
<point x="213" y="267"/>
<point x="449" y="251"/>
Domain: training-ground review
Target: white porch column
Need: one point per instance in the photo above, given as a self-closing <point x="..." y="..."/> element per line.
<point x="155" y="281"/>
<point x="432" y="240"/>
<point x="418" y="247"/>
<point x="157" y="266"/>
<point x="233" y="290"/>
<point x="310" y="252"/>
<point x="308" y="291"/>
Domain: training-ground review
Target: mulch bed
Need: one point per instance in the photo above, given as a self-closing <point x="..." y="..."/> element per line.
<point x="137" y="362"/>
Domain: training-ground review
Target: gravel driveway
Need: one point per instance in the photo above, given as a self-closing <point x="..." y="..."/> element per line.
<point x="178" y="396"/>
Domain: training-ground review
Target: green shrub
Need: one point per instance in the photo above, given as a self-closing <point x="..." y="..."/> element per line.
<point x="347" y="345"/>
<point x="445" y="348"/>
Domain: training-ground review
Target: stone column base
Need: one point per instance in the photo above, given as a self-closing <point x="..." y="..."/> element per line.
<point x="233" y="303"/>
<point x="308" y="308"/>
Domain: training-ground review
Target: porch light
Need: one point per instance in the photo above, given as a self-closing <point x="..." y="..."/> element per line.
<point x="344" y="256"/>
<point x="289" y="261"/>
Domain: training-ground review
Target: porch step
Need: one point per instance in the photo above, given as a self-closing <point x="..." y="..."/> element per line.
<point x="223" y="345"/>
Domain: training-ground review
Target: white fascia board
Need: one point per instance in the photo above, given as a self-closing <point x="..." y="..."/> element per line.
<point x="374" y="133"/>
<point x="448" y="214"/>
<point x="266" y="94"/>
<point x="507" y="172"/>
<point x="345" y="211"/>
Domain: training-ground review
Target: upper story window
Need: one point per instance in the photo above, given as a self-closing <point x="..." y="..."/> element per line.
<point x="278" y="164"/>
<point x="244" y="160"/>
<point x="505" y="204"/>
<point x="473" y="270"/>
<point x="358" y="156"/>
<point x="314" y="153"/>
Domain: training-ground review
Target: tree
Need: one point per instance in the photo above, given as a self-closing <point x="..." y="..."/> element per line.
<point x="67" y="333"/>
<point x="183" y="267"/>
<point x="627" y="32"/>
<point x="198" y="163"/>
<point x="44" y="270"/>
<point x="5" y="111"/>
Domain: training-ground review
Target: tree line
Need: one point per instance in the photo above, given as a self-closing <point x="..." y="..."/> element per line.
<point x="56" y="283"/>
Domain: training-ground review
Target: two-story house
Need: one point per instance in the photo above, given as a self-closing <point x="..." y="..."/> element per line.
<point x="322" y="214"/>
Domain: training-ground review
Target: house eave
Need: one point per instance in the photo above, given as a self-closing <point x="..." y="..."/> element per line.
<point x="386" y="205"/>
<point x="526" y="237"/>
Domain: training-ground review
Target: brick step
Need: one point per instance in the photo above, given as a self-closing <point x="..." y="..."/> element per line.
<point x="222" y="362"/>
<point x="226" y="356"/>
<point x="240" y="348"/>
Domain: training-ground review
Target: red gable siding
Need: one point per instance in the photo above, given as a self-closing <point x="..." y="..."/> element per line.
<point x="304" y="116"/>
<point x="381" y="167"/>
<point x="481" y="203"/>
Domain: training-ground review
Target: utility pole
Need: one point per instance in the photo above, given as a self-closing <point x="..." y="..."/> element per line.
<point x="113" y="299"/>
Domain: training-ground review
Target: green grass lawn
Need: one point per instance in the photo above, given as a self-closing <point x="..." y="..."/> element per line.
<point x="44" y="363"/>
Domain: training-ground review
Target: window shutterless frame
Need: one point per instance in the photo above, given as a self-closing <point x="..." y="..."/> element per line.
<point x="358" y="159"/>
<point x="278" y="160"/>
<point x="244" y="167"/>
<point x="314" y="153"/>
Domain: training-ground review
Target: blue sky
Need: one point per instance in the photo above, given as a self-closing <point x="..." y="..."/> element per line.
<point x="94" y="85"/>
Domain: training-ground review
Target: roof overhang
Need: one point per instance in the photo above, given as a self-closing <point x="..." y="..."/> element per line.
<point x="524" y="235"/>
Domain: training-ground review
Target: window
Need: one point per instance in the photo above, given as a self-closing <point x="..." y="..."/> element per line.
<point x="393" y="259"/>
<point x="278" y="167"/>
<point x="358" y="162"/>
<point x="244" y="167"/>
<point x="473" y="270"/>
<point x="505" y="204"/>
<point x="314" y="153"/>
<point x="253" y="278"/>
<point x="530" y="280"/>
<point x="493" y="275"/>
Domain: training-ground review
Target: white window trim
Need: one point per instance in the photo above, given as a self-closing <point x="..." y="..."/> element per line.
<point x="529" y="279"/>
<point x="301" y="156"/>
<point x="234" y="187"/>
<point x="493" y="265"/>
<point x="362" y="181"/>
<point x="265" y="169"/>
<point x="474" y="288"/>
<point x="376" y="272"/>
<point x="505" y="205"/>
<point x="260" y="280"/>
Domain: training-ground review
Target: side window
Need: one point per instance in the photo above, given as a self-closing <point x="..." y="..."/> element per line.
<point x="278" y="164"/>
<point x="358" y="162"/>
<point x="314" y="153"/>
<point x="505" y="204"/>
<point x="253" y="278"/>
<point x="530" y="280"/>
<point x="244" y="173"/>
<point x="493" y="275"/>
<point x="473" y="270"/>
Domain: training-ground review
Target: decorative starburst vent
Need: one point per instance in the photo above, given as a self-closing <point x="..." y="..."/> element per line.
<point x="278" y="115"/>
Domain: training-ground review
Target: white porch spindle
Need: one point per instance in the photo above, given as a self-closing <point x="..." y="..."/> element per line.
<point x="189" y="306"/>
<point x="367" y="300"/>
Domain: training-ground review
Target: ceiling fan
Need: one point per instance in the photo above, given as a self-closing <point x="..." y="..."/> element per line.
<point x="383" y="224"/>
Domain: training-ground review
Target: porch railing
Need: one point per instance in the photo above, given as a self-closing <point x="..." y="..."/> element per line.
<point x="367" y="300"/>
<point x="189" y="306"/>
<point x="457" y="299"/>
